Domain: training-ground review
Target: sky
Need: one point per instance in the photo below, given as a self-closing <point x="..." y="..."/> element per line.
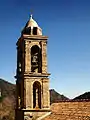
<point x="67" y="24"/>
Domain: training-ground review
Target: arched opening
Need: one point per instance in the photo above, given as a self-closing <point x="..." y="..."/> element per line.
<point x="27" y="31"/>
<point x="34" y="30"/>
<point x="36" y="95"/>
<point x="36" y="59"/>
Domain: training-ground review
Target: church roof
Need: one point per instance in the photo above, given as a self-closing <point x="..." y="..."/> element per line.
<point x="32" y="23"/>
<point x="31" y="28"/>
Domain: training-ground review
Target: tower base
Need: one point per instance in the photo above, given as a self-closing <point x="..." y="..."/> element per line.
<point x="24" y="114"/>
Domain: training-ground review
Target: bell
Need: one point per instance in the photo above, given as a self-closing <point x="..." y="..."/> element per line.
<point x="34" y="59"/>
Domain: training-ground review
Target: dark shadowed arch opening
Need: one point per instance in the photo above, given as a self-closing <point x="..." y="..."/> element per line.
<point x="26" y="31"/>
<point x="36" y="59"/>
<point x="36" y="95"/>
<point x="34" y="30"/>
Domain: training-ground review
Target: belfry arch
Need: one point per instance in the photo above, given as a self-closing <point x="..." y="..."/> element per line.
<point x="36" y="95"/>
<point x="36" y="59"/>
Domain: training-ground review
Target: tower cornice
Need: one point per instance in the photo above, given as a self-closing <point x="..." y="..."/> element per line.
<point x="38" y="37"/>
<point x="32" y="38"/>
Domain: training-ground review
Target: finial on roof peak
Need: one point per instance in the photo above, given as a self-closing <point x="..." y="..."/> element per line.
<point x="31" y="16"/>
<point x="31" y="11"/>
<point x="30" y="26"/>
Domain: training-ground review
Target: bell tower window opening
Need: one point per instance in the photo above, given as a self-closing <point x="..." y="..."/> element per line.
<point x="36" y="59"/>
<point x="27" y="31"/>
<point x="34" y="30"/>
<point x="36" y="95"/>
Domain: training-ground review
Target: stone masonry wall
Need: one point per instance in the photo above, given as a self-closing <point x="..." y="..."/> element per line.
<point x="70" y="111"/>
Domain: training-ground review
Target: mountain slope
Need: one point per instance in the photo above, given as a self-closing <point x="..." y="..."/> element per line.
<point x="86" y="95"/>
<point x="7" y="89"/>
<point x="7" y="100"/>
<point x="55" y="96"/>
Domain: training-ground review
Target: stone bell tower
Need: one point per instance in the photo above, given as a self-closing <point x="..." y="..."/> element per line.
<point x="32" y="82"/>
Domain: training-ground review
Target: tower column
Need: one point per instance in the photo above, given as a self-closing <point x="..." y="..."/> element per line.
<point x="44" y="57"/>
<point x="28" y="94"/>
<point x="46" y="98"/>
<point x="27" y="57"/>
